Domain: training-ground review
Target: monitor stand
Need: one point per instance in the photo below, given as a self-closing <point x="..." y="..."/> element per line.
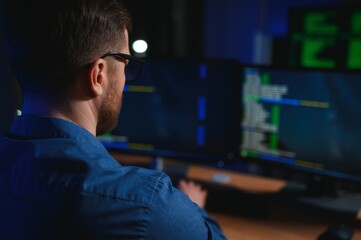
<point x="324" y="195"/>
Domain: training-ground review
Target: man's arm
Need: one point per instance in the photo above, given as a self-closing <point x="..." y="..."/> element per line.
<point x="174" y="216"/>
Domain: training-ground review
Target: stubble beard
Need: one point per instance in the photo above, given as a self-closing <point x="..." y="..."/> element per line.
<point x="109" y="112"/>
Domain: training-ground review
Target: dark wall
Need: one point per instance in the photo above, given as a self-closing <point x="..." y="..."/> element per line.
<point x="9" y="92"/>
<point x="249" y="31"/>
<point x="172" y="28"/>
<point x="236" y="29"/>
<point x="245" y="30"/>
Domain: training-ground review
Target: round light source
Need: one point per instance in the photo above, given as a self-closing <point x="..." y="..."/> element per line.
<point x="140" y="46"/>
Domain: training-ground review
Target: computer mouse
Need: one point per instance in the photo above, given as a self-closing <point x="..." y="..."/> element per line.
<point x="337" y="232"/>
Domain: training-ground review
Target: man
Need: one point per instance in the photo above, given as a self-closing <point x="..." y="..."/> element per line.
<point x="56" y="179"/>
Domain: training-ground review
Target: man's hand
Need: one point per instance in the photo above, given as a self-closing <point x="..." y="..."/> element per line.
<point x="194" y="191"/>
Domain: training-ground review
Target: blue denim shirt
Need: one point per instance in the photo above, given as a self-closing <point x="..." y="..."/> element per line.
<point x="57" y="181"/>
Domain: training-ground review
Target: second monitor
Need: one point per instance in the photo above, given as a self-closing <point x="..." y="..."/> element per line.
<point x="307" y="120"/>
<point x="180" y="108"/>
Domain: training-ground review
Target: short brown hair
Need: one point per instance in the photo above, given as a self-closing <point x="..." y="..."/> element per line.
<point x="47" y="40"/>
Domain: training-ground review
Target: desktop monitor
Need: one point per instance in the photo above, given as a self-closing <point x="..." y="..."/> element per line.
<point x="327" y="37"/>
<point x="306" y="120"/>
<point x="180" y="108"/>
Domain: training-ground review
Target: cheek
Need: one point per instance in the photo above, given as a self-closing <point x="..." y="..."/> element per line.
<point x="121" y="77"/>
<point x="120" y="87"/>
<point x="118" y="84"/>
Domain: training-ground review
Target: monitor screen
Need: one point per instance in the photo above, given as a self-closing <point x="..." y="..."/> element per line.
<point x="180" y="108"/>
<point x="306" y="119"/>
<point x="325" y="37"/>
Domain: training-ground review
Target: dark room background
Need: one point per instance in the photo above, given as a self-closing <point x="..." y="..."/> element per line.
<point x="253" y="32"/>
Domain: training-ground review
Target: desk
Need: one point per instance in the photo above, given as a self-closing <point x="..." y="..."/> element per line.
<point x="278" y="228"/>
<point x="244" y="182"/>
<point x="279" y="224"/>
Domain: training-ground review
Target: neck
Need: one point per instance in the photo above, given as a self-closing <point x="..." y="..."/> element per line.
<point x="78" y="112"/>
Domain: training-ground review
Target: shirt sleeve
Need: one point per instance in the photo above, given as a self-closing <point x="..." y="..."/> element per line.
<point x="174" y="216"/>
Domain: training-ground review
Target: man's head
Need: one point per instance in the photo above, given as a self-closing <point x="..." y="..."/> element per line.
<point x="51" y="43"/>
<point x="48" y="41"/>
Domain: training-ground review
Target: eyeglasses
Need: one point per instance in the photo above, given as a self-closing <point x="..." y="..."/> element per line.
<point x="132" y="68"/>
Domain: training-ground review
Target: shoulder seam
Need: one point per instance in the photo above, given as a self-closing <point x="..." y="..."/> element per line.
<point x="114" y="197"/>
<point x="152" y="198"/>
<point x="156" y="187"/>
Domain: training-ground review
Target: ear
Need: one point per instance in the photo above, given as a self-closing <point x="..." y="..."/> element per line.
<point x="97" y="77"/>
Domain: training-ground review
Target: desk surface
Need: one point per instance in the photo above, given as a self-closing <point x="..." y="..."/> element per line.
<point x="279" y="224"/>
<point x="277" y="228"/>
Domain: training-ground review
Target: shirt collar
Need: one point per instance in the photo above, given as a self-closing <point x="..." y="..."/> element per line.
<point x="35" y="127"/>
<point x="29" y="127"/>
